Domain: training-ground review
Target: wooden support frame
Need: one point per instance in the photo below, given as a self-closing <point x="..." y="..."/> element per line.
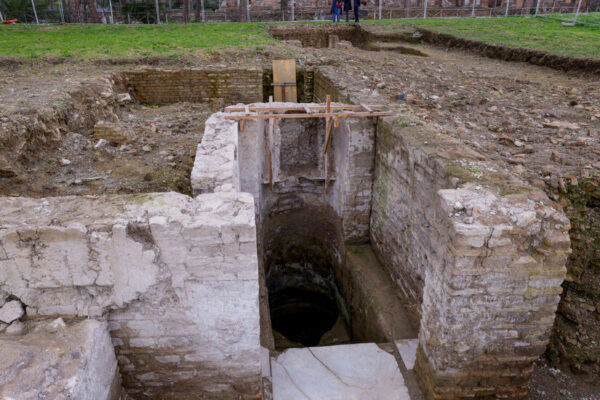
<point x="331" y="113"/>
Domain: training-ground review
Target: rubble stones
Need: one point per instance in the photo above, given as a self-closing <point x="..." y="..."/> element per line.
<point x="11" y="311"/>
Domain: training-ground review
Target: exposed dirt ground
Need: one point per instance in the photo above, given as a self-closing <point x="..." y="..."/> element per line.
<point x="541" y="124"/>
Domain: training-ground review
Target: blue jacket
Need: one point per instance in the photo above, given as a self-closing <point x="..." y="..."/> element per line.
<point x="334" y="5"/>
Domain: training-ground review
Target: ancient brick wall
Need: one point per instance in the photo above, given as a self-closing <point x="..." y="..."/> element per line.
<point x="176" y="277"/>
<point x="486" y="268"/>
<point x="226" y="85"/>
<point x="575" y="341"/>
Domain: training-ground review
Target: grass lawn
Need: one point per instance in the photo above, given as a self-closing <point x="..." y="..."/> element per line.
<point x="542" y="33"/>
<point x="127" y="41"/>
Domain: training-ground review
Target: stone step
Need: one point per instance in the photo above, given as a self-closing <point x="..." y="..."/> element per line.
<point x="351" y="371"/>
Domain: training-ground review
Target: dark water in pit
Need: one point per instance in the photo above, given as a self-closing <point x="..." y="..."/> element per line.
<point x="302" y="303"/>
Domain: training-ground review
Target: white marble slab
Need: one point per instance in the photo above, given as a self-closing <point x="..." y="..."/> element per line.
<point x="265" y="362"/>
<point x="408" y="351"/>
<point x="345" y="372"/>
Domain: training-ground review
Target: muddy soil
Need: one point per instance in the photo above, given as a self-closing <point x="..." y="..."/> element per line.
<point x="158" y="155"/>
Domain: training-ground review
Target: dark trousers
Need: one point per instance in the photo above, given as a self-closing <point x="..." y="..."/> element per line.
<point x="347" y="16"/>
<point x="355" y="14"/>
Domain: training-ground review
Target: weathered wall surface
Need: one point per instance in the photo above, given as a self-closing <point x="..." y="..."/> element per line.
<point x="486" y="268"/>
<point x="215" y="167"/>
<point x="575" y="341"/>
<point x="177" y="276"/>
<point x="226" y="85"/>
<point x="54" y="360"/>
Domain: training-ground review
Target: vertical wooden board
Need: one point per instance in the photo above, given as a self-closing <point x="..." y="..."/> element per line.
<point x="284" y="71"/>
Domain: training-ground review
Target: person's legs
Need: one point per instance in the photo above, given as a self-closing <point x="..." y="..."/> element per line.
<point x="355" y="14"/>
<point x="337" y="14"/>
<point x="347" y="15"/>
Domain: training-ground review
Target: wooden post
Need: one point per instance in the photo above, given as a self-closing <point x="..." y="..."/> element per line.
<point x="271" y="129"/>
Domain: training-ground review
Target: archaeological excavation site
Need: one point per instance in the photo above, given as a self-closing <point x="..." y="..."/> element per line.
<point x="345" y="214"/>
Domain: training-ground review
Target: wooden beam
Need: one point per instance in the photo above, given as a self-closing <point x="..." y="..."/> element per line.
<point x="366" y="107"/>
<point x="302" y="107"/>
<point x="322" y="115"/>
<point x="271" y="129"/>
<point x="326" y="172"/>
<point x="307" y="109"/>
<point x="328" y="104"/>
<point x="328" y="133"/>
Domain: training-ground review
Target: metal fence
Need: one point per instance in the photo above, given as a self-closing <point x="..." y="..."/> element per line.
<point x="114" y="14"/>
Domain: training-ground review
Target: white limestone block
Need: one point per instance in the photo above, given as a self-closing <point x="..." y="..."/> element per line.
<point x="408" y="351"/>
<point x="11" y="311"/>
<point x="345" y="372"/>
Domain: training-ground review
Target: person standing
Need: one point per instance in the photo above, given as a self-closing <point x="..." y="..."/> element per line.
<point x="356" y="7"/>
<point x="336" y="10"/>
<point x="347" y="8"/>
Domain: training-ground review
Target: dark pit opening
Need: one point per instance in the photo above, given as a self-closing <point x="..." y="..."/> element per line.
<point x="303" y="304"/>
<point x="301" y="256"/>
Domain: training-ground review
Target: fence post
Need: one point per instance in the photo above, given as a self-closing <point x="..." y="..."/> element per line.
<point x="203" y="12"/>
<point x="35" y="13"/>
<point x="293" y="11"/>
<point x="473" y="9"/>
<point x="537" y="7"/>
<point x="577" y="12"/>
<point x="425" y="9"/>
<point x="506" y="11"/>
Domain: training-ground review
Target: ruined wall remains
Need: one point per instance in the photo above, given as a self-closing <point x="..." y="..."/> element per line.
<point x="487" y="267"/>
<point x="177" y="277"/>
<point x="54" y="360"/>
<point x="226" y="86"/>
<point x="575" y="341"/>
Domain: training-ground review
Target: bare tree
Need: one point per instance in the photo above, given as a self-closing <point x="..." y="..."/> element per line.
<point x="198" y="9"/>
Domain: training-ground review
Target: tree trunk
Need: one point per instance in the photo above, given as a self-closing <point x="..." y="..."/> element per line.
<point x="198" y="9"/>
<point x="94" y="16"/>
<point x="186" y="10"/>
<point x="407" y="8"/>
<point x="75" y="11"/>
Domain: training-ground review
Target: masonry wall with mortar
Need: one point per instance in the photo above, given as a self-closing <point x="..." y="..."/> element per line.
<point x="486" y="269"/>
<point x="226" y="85"/>
<point x="176" y="277"/>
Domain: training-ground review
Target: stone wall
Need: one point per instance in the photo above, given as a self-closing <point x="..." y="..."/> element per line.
<point x="486" y="266"/>
<point x="54" y="360"/>
<point x="177" y="277"/>
<point x="222" y="85"/>
<point x="575" y="343"/>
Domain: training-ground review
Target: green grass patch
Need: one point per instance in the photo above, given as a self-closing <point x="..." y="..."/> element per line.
<point x="128" y="41"/>
<point x="541" y="33"/>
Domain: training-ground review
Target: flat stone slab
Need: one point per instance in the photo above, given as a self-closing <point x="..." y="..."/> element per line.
<point x="58" y="361"/>
<point x="344" y="372"/>
<point x="408" y="351"/>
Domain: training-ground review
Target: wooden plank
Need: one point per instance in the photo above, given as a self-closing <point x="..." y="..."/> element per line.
<point x="326" y="173"/>
<point x="307" y="109"/>
<point x="328" y="133"/>
<point x="271" y="129"/>
<point x="302" y="107"/>
<point x="322" y="115"/>
<point x="366" y="107"/>
<point x="328" y="110"/>
<point x="284" y="71"/>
